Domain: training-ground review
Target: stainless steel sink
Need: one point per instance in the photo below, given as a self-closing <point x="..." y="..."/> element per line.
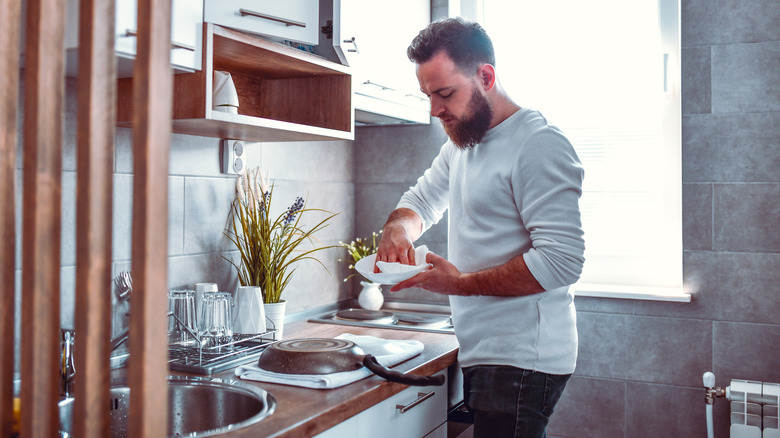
<point x="197" y="407"/>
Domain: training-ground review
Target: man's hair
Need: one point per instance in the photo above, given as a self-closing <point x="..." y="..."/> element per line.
<point x="465" y="42"/>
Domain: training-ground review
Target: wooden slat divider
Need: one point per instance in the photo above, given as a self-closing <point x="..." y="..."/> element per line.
<point x="151" y="142"/>
<point x="10" y="17"/>
<point x="95" y="140"/>
<point x="44" y="89"/>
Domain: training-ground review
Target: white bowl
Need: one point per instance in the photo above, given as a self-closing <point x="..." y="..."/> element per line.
<point x="392" y="273"/>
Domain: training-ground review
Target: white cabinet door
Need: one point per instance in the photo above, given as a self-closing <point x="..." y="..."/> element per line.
<point x="414" y="412"/>
<point x="294" y="20"/>
<point x="186" y="34"/>
<point x="371" y="37"/>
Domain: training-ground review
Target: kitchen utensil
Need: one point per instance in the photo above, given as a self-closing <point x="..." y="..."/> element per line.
<point x="182" y="304"/>
<point x="325" y="356"/>
<point x="216" y="322"/>
<point x="393" y="273"/>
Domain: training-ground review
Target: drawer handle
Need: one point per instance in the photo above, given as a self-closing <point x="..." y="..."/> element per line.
<point x="245" y="12"/>
<point x="421" y="397"/>
<point x="133" y="33"/>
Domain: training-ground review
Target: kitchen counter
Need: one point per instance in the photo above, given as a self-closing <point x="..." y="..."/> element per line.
<point x="303" y="412"/>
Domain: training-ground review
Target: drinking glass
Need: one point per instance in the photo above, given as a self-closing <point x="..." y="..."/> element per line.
<point x="216" y="322"/>
<point x="182" y="325"/>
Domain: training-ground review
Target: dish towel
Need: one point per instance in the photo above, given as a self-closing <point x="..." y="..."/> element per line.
<point x="388" y="352"/>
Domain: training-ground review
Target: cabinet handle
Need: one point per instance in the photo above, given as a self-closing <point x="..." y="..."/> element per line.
<point x="133" y="33"/>
<point x="245" y="12"/>
<point x="354" y="43"/>
<point x="421" y="397"/>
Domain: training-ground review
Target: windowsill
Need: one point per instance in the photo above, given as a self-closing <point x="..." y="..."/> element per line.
<point x="632" y="292"/>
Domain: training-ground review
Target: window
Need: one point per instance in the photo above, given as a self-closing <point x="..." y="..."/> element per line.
<point x="607" y="73"/>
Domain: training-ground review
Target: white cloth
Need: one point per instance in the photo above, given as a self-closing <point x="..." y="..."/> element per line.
<point x="388" y="352"/>
<point x="517" y="192"/>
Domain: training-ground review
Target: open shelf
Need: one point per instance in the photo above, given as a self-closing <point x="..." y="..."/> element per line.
<point x="284" y="94"/>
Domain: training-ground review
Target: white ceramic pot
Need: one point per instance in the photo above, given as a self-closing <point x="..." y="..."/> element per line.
<point x="274" y="313"/>
<point x="371" y="297"/>
<point x="249" y="311"/>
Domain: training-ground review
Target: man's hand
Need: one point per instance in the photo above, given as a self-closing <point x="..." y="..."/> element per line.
<point x="441" y="278"/>
<point x="402" y="228"/>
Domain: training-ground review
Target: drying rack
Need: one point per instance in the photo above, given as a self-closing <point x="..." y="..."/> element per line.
<point x="237" y="350"/>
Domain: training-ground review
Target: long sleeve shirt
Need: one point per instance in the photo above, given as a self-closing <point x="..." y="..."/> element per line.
<point x="517" y="192"/>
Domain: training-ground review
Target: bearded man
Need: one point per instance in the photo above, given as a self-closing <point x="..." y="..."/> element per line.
<point x="512" y="184"/>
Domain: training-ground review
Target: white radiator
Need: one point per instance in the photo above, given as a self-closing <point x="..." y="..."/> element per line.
<point x="754" y="409"/>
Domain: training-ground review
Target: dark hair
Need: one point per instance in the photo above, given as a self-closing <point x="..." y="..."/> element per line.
<point x="465" y="42"/>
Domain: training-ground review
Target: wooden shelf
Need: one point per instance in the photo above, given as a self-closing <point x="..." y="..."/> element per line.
<point x="284" y="94"/>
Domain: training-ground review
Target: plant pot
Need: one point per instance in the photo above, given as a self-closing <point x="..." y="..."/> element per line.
<point x="249" y="313"/>
<point x="371" y="297"/>
<point x="274" y="314"/>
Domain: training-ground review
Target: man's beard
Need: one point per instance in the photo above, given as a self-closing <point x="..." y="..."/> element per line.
<point x="470" y="131"/>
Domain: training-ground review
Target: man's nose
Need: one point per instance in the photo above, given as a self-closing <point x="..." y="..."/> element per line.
<point x="437" y="109"/>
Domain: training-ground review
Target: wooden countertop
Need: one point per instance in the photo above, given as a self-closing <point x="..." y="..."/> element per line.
<point x="303" y="412"/>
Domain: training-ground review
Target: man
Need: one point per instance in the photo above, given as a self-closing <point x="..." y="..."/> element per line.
<point x="512" y="184"/>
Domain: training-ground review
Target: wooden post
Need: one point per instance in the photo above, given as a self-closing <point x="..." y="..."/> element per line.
<point x="44" y="90"/>
<point x="10" y="16"/>
<point x="95" y="140"/>
<point x="153" y="78"/>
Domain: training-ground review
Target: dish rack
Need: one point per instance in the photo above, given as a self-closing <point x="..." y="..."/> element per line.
<point x="240" y="349"/>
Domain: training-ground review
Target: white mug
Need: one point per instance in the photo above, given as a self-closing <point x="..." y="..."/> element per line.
<point x="249" y="311"/>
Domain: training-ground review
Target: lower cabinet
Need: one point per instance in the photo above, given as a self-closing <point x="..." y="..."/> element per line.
<point x="417" y="411"/>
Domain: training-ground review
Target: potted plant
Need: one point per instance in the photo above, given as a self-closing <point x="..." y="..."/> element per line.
<point x="268" y="244"/>
<point x="370" y="296"/>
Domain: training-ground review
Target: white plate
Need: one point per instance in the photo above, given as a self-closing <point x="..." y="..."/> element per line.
<point x="392" y="273"/>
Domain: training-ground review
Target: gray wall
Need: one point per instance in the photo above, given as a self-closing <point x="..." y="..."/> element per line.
<point x="640" y="363"/>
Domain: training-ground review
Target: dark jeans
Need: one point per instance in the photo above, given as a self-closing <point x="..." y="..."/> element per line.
<point x="511" y="402"/>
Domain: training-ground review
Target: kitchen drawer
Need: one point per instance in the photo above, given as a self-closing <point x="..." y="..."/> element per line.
<point x="424" y="412"/>
<point x="294" y="20"/>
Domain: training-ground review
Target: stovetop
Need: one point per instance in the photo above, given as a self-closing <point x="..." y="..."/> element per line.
<point x="430" y="318"/>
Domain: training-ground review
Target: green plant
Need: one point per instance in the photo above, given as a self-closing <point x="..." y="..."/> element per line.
<point x="359" y="248"/>
<point x="267" y="244"/>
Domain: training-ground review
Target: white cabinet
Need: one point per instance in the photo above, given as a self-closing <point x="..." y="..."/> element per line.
<point x="186" y="35"/>
<point x="371" y="37"/>
<point x="417" y="411"/>
<point x="294" y="20"/>
<point x="186" y="32"/>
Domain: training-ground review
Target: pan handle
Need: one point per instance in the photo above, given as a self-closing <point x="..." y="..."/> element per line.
<point x="371" y="363"/>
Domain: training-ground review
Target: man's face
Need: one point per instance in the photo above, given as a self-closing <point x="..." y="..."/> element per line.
<point x="456" y="99"/>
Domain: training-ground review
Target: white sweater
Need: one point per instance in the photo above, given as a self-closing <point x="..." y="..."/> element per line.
<point x="515" y="193"/>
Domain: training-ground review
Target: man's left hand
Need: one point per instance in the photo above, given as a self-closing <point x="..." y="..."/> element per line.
<point x="441" y="278"/>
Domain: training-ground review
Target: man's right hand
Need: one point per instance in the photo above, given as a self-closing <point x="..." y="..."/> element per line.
<point x="402" y="228"/>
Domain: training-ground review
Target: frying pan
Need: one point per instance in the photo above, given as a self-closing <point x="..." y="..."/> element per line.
<point x="326" y="356"/>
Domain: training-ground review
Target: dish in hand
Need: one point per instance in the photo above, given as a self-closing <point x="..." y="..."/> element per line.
<point x="393" y="273"/>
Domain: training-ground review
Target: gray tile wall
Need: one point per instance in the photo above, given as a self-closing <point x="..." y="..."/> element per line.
<point x="640" y="365"/>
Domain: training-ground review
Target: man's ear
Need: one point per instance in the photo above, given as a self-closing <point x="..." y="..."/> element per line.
<point x="487" y="76"/>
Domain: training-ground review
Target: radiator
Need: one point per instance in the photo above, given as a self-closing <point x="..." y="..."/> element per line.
<point x="754" y="409"/>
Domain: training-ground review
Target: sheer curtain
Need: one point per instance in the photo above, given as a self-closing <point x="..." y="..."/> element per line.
<point x="607" y="73"/>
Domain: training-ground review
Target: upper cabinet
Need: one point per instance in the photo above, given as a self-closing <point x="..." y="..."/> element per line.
<point x="292" y="20"/>
<point x="186" y="34"/>
<point x="284" y="94"/>
<point x="371" y="36"/>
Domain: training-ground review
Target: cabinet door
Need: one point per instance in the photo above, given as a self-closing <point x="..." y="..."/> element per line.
<point x="186" y="32"/>
<point x="417" y="411"/>
<point x="380" y="34"/>
<point x="294" y="20"/>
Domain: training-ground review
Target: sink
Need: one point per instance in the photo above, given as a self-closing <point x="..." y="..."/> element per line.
<point x="197" y="407"/>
